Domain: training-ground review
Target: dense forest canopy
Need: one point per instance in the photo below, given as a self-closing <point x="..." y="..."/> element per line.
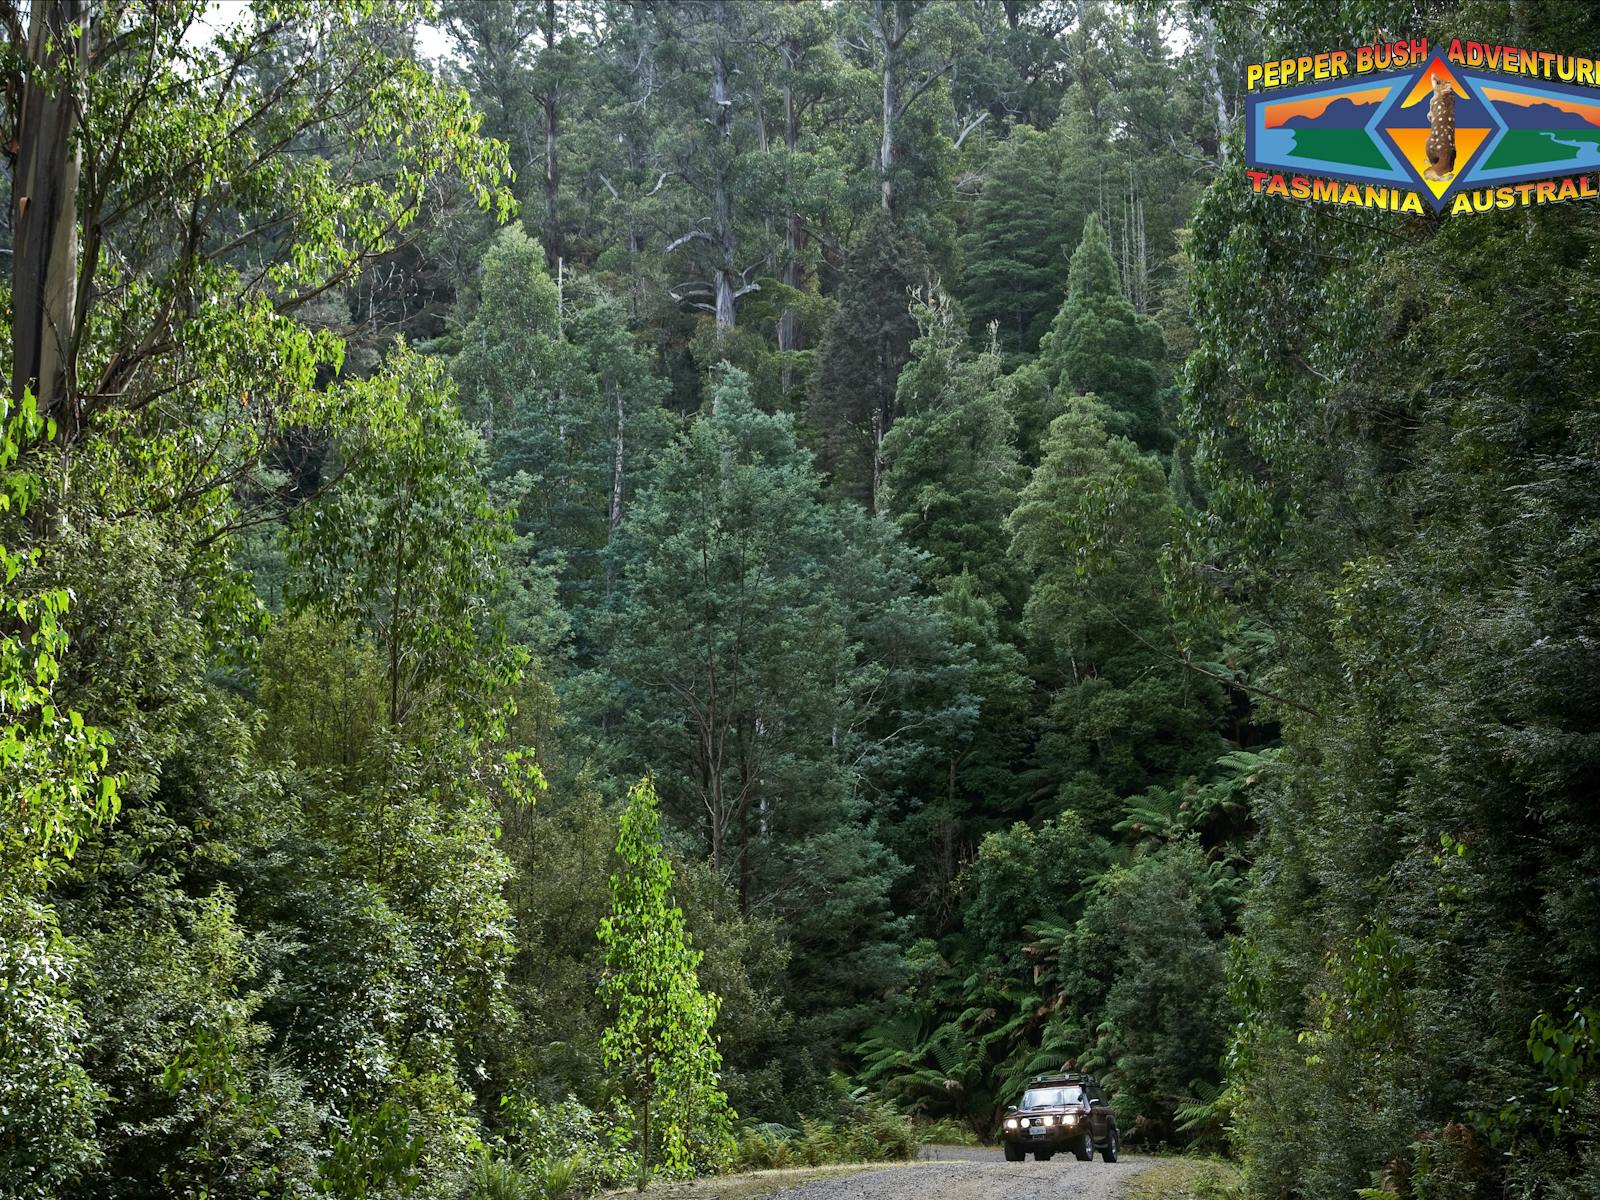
<point x="674" y="578"/>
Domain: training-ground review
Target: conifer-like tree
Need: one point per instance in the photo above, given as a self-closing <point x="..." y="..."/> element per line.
<point x="952" y="470"/>
<point x="1088" y="531"/>
<point x="564" y="401"/>
<point x="771" y="660"/>
<point x="866" y="343"/>
<point x="1020" y="236"/>
<point x="660" y="1043"/>
<point x="1100" y="346"/>
<point x="411" y="551"/>
<point x="526" y="390"/>
<point x="732" y="633"/>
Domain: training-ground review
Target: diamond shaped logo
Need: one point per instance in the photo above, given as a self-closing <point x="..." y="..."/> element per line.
<point x="1437" y="128"/>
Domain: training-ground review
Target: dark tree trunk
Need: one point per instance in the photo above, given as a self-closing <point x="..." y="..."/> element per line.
<point x="44" y="266"/>
<point x="882" y="416"/>
<point x="615" y="516"/>
<point x="644" y="1148"/>
<point x="394" y="630"/>
<point x="744" y="834"/>
<point x="790" y="335"/>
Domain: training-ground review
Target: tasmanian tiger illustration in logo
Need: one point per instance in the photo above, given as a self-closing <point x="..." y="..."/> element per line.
<point x="1442" y="122"/>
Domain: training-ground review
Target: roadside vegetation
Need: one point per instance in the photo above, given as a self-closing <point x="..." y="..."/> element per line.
<point x="1186" y="1179"/>
<point x="877" y="1132"/>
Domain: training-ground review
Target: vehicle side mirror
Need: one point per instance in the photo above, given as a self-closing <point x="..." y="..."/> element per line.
<point x="1011" y="1108"/>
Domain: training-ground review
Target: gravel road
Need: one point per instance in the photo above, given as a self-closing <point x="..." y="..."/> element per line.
<point x="970" y="1174"/>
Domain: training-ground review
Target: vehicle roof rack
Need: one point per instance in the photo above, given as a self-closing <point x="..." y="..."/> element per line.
<point x="1064" y="1077"/>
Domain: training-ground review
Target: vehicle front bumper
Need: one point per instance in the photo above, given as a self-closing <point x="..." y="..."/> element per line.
<point x="1047" y="1137"/>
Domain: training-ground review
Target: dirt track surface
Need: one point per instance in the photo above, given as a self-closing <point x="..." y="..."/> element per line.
<point x="975" y="1174"/>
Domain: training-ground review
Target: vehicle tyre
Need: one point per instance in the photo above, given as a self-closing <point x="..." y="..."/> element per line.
<point x="1113" y="1144"/>
<point x="1015" y="1153"/>
<point x="1043" y="1155"/>
<point x="1084" y="1151"/>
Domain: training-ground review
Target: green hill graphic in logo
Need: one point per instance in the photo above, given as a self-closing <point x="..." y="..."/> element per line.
<point x="1542" y="128"/>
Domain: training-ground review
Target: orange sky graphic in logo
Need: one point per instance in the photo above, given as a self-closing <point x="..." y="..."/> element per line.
<point x="1280" y="114"/>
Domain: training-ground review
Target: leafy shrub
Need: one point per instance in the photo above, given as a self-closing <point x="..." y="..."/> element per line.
<point x="874" y="1132"/>
<point x="886" y="1133"/>
<point x="528" y="1179"/>
<point x="377" y="1150"/>
<point x="558" y="1178"/>
<point x="47" y="1098"/>
<point x="566" y="1149"/>
<point x="946" y="1131"/>
<point x="1217" y="1181"/>
<point x="1186" y="1178"/>
<point x="496" y="1179"/>
<point x="764" y="1147"/>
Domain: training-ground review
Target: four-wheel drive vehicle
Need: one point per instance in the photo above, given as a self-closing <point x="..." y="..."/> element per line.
<point x="1061" y="1112"/>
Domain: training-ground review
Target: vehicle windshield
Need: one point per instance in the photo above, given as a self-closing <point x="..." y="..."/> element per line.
<point x="1047" y="1097"/>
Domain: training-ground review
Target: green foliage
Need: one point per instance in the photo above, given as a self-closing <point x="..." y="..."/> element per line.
<point x="566" y="405"/>
<point x="1099" y="345"/>
<point x="560" y="1150"/>
<point x="562" y="855"/>
<point x="726" y="620"/>
<point x="496" y="1179"/>
<point x="1412" y="534"/>
<point x="195" y="1008"/>
<point x="47" y="1097"/>
<point x="54" y="790"/>
<point x="323" y="692"/>
<point x="1125" y="712"/>
<point x="411" y="553"/>
<point x="1567" y="1053"/>
<point x="744" y="963"/>
<point x="375" y="1154"/>
<point x="1004" y="744"/>
<point x="1025" y="876"/>
<point x="660" y="1042"/>
<point x="1147" y="963"/>
<point x="763" y="656"/>
<point x="1034" y="404"/>
<point x="1186" y="1178"/>
<point x="189" y="299"/>
<point x="867" y="341"/>
<point x="977" y="1023"/>
<point x="952" y="474"/>
<point x="199" y="1104"/>
<point x="872" y="1131"/>
<point x="52" y="763"/>
<point x="224" y="186"/>
<point x="1015" y="253"/>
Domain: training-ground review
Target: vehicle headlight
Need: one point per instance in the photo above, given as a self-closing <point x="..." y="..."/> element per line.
<point x="1012" y="1124"/>
<point x="1049" y="1120"/>
<point x="1070" y="1119"/>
